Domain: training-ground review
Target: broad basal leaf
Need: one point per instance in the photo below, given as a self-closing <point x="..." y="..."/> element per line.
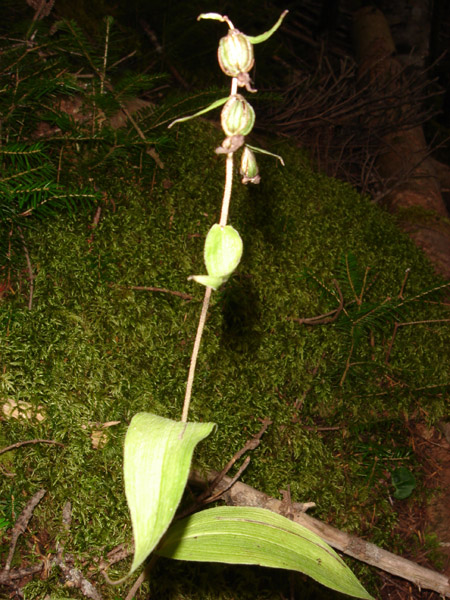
<point x="255" y="536"/>
<point x="157" y="459"/>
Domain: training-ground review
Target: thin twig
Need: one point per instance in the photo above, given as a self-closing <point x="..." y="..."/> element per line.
<point x="25" y="442"/>
<point x="105" y="56"/>
<point x="30" y="269"/>
<point x="76" y="578"/>
<point x="250" y="444"/>
<point x="234" y="479"/>
<point x="19" y="528"/>
<point x="329" y="317"/>
<point x="142" y="577"/>
<point x="347" y="362"/>
<point x="136" y="585"/>
<point x="397" y="325"/>
<point x="402" y="289"/>
<point x="7" y="578"/>
<point x="207" y="496"/>
<point x="145" y="288"/>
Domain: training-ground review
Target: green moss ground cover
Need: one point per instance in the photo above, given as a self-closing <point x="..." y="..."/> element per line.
<point x="92" y="351"/>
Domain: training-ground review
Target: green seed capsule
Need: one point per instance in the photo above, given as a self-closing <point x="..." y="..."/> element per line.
<point x="237" y="116"/>
<point x="235" y="53"/>
<point x="249" y="167"/>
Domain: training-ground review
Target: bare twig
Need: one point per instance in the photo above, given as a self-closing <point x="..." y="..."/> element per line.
<point x="25" y="442"/>
<point x="329" y="317"/>
<point x="145" y="288"/>
<point x="8" y="578"/>
<point x="236" y="477"/>
<point x="19" y="528"/>
<point x="402" y="289"/>
<point x="72" y="575"/>
<point x="344" y="121"/>
<point x="76" y="578"/>
<point x="30" y="269"/>
<point x="136" y="585"/>
<point x="250" y="444"/>
<point x="397" y="325"/>
<point x="160" y="50"/>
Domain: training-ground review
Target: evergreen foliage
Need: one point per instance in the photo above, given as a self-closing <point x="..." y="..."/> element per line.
<point x="58" y="92"/>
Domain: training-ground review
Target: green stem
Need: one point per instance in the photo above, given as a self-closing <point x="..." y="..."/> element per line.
<point x="201" y="322"/>
<point x="198" y="339"/>
<point x="227" y="190"/>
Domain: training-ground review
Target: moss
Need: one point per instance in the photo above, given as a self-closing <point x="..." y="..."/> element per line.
<point x="93" y="350"/>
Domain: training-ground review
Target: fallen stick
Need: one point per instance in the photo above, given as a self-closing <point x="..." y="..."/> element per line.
<point x="241" y="494"/>
<point x="18" y="529"/>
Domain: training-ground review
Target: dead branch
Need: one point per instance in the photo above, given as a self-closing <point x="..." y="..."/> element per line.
<point x="343" y="118"/>
<point x="30" y="269"/>
<point x="241" y="494"/>
<point x="145" y="288"/>
<point x="19" y="528"/>
<point x="329" y="317"/>
<point x="71" y="574"/>
<point x="76" y="577"/>
<point x="397" y="325"/>
<point x="25" y="442"/>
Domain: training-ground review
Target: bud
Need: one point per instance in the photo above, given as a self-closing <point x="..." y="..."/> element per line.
<point x="235" y="53"/>
<point x="237" y="116"/>
<point x="223" y="251"/>
<point x="249" y="167"/>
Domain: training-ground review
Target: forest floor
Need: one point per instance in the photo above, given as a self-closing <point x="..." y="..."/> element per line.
<point x="418" y="521"/>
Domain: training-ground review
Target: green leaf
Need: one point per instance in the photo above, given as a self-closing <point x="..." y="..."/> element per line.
<point x="223" y="250"/>
<point x="255" y="536"/>
<point x="157" y="459"/>
<point x="208" y="281"/>
<point x="266" y="35"/>
<point x="212" y="106"/>
<point x="404" y="483"/>
<point x="261" y="151"/>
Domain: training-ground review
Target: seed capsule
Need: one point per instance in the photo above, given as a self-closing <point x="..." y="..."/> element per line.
<point x="237" y="116"/>
<point x="249" y="167"/>
<point x="235" y="53"/>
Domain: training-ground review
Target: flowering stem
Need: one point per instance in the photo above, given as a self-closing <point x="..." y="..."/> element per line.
<point x="228" y="173"/>
<point x="198" y="339"/>
<point x="206" y="299"/>
<point x="227" y="190"/>
<point x="201" y="323"/>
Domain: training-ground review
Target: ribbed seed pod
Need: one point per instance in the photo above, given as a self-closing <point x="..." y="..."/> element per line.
<point x="249" y="167"/>
<point x="235" y="53"/>
<point x="237" y="116"/>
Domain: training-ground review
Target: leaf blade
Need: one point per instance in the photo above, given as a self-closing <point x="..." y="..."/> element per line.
<point x="157" y="459"/>
<point x="247" y="535"/>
